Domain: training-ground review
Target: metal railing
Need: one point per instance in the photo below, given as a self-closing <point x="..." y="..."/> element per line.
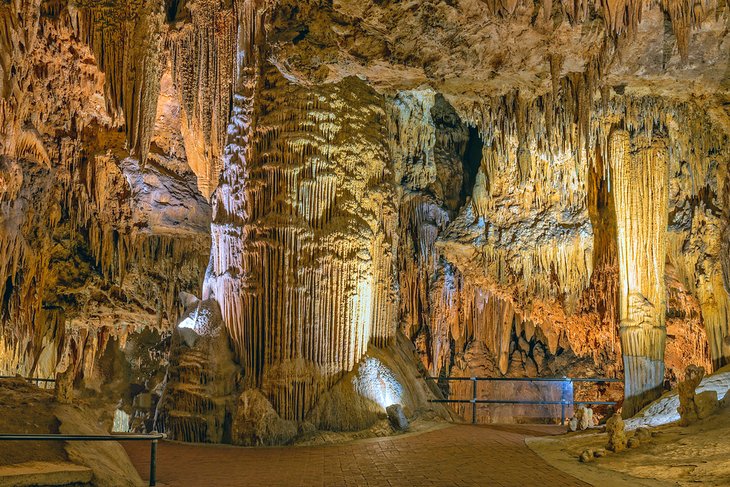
<point x="153" y="437"/>
<point x="563" y="402"/>
<point x="37" y="380"/>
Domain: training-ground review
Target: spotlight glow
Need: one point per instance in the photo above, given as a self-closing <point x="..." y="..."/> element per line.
<point x="377" y="382"/>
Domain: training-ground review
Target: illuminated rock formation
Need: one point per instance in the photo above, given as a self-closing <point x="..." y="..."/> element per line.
<point x="640" y="180"/>
<point x="519" y="188"/>
<point x="302" y="253"/>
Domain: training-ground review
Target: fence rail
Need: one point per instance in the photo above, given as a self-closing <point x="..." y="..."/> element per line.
<point x="153" y="437"/>
<point x="564" y="401"/>
<point x="38" y="381"/>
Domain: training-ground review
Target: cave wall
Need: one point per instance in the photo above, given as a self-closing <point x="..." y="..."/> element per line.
<point x="521" y="188"/>
<point x="97" y="243"/>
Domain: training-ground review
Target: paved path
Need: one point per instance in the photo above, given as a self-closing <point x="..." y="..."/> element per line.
<point x="459" y="455"/>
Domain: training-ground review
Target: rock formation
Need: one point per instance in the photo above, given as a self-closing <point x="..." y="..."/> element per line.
<point x="197" y="399"/>
<point x="519" y="189"/>
<point x="617" y="439"/>
<point x="581" y="420"/>
<point x="694" y="406"/>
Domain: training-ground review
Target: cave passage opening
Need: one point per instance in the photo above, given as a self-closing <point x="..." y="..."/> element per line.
<point x="471" y="163"/>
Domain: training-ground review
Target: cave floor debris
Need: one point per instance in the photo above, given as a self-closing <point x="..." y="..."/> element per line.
<point x="675" y="456"/>
<point x="459" y="455"/>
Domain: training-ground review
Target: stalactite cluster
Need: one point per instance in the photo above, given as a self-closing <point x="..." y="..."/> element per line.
<point x="89" y="256"/>
<point x="126" y="38"/>
<point x="543" y="234"/>
<point x="203" y="54"/>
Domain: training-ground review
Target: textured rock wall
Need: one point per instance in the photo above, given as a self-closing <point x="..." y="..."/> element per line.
<point x="302" y="254"/>
<point x="96" y="246"/>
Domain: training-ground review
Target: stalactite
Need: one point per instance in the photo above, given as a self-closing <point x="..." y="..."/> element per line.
<point x="422" y="220"/>
<point x="546" y="271"/>
<point x="493" y="320"/>
<point x="641" y="223"/>
<point x="127" y="41"/>
<point x="620" y="17"/>
<point x="686" y="15"/>
<point x="412" y="137"/>
<point x="203" y="55"/>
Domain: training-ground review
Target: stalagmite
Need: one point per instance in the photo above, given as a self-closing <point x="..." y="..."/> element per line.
<point x="641" y="223"/>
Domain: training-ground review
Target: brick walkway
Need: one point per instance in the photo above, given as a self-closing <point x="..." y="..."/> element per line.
<point x="460" y="455"/>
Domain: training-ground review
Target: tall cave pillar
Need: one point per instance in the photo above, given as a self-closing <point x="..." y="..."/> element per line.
<point x="640" y="186"/>
<point x="304" y="220"/>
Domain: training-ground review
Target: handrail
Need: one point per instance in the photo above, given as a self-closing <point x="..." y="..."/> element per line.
<point x="153" y="437"/>
<point x="563" y="401"/>
<point x="37" y="379"/>
<point x="531" y="379"/>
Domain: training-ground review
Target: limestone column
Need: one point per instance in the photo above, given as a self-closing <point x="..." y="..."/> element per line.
<point x="640" y="186"/>
<point x="303" y="231"/>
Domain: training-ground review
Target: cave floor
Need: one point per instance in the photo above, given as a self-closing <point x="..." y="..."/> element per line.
<point x="458" y="455"/>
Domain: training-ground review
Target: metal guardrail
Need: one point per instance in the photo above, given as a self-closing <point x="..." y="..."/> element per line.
<point x="37" y="380"/>
<point x="153" y="437"/>
<point x="564" y="401"/>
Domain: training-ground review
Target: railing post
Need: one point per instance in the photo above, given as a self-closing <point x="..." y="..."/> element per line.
<point x="153" y="463"/>
<point x="474" y="400"/>
<point x="564" y="398"/>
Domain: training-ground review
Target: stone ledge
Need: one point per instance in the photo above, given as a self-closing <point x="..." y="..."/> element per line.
<point x="44" y="473"/>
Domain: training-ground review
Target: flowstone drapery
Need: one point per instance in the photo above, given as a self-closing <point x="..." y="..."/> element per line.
<point x="640" y="187"/>
<point x="302" y="258"/>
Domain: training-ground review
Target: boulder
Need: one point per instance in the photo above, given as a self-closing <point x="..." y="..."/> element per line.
<point x="706" y="403"/>
<point x="587" y="456"/>
<point x="397" y="417"/>
<point x="642" y="434"/>
<point x="257" y="423"/>
<point x="725" y="402"/>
